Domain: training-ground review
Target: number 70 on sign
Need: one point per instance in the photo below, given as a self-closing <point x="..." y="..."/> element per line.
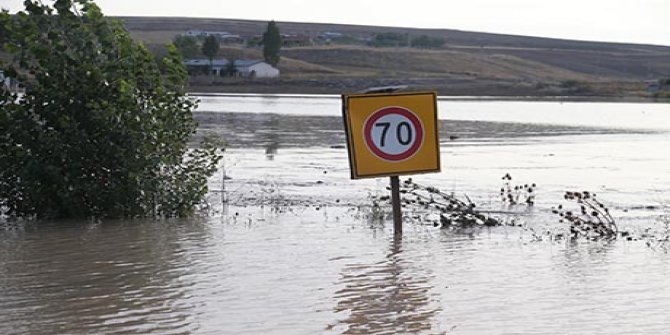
<point x="391" y="134"/>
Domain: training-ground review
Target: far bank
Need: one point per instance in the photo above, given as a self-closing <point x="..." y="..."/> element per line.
<point x="447" y="87"/>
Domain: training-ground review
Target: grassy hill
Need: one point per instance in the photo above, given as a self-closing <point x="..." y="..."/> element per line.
<point x="468" y="63"/>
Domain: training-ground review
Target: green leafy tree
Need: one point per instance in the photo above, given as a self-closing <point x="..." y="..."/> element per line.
<point x="101" y="131"/>
<point x="271" y="44"/>
<point x="187" y="45"/>
<point x="210" y="48"/>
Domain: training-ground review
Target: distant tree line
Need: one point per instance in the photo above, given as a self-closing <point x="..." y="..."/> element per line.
<point x="425" y="41"/>
<point x="391" y="39"/>
<point x="271" y="42"/>
<point x="192" y="47"/>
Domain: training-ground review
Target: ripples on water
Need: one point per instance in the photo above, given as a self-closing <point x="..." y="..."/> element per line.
<point x="275" y="130"/>
<point x="309" y="271"/>
<point x="392" y="295"/>
<point x="323" y="267"/>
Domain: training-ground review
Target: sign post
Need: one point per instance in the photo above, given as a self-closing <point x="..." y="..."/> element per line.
<point x="395" y="202"/>
<point x="391" y="135"/>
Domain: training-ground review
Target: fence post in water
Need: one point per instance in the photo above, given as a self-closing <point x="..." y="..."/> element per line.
<point x="395" y="200"/>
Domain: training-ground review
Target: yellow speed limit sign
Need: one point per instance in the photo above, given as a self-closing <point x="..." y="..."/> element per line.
<point x="391" y="134"/>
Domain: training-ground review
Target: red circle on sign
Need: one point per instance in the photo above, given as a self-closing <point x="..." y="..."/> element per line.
<point x="367" y="133"/>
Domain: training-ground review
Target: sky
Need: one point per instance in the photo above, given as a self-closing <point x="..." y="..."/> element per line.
<point x="634" y="21"/>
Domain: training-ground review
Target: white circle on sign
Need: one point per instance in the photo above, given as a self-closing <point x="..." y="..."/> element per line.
<point x="393" y="133"/>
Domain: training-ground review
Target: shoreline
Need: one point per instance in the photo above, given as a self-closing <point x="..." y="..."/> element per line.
<point x="531" y="98"/>
<point x="485" y="90"/>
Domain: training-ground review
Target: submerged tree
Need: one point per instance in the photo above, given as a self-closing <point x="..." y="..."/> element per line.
<point x="100" y="130"/>
<point x="271" y="44"/>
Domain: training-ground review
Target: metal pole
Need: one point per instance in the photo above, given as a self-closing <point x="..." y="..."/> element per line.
<point x="395" y="200"/>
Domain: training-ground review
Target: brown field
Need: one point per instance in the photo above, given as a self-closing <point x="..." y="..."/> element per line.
<point x="469" y="63"/>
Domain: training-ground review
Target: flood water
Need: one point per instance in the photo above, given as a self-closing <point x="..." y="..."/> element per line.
<point x="296" y="249"/>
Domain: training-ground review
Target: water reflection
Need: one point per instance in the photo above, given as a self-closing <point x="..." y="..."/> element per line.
<point x="97" y="278"/>
<point x="271" y="150"/>
<point x="581" y="261"/>
<point x="392" y="296"/>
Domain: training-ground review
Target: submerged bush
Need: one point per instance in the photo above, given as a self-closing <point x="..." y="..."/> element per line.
<point x="102" y="129"/>
<point x="429" y="204"/>
<point x="592" y="221"/>
<point x="517" y="194"/>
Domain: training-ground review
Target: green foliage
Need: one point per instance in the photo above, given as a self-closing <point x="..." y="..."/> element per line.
<point x="254" y="42"/>
<point x="271" y="44"/>
<point x="390" y="40"/>
<point x="425" y="41"/>
<point x="210" y="48"/>
<point x="187" y="46"/>
<point x="101" y="131"/>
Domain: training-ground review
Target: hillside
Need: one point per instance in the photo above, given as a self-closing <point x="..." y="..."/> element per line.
<point x="468" y="63"/>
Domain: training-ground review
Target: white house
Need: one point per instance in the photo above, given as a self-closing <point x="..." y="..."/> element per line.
<point x="243" y="68"/>
<point x="256" y="69"/>
<point x="201" y="65"/>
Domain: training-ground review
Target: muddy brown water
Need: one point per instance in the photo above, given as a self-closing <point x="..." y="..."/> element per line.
<point x="296" y="250"/>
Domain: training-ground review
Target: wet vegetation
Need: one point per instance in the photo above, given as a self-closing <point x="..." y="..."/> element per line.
<point x="429" y="205"/>
<point x="517" y="194"/>
<point x="451" y="211"/>
<point x="658" y="237"/>
<point x="592" y="221"/>
<point x="583" y="218"/>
